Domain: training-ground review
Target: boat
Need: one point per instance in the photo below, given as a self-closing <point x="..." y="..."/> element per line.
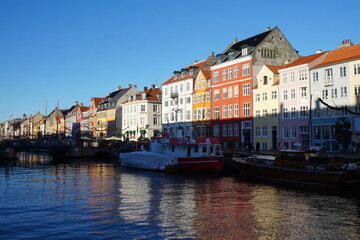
<point x="301" y="167"/>
<point x="177" y="154"/>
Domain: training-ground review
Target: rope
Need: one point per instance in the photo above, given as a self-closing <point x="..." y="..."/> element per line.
<point x="345" y="108"/>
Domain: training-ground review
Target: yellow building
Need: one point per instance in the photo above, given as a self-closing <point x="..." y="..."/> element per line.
<point x="202" y="105"/>
<point x="266" y="108"/>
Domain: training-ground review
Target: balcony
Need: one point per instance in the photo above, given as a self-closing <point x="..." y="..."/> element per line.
<point x="328" y="80"/>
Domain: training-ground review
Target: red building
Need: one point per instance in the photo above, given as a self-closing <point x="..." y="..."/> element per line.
<point x="233" y="78"/>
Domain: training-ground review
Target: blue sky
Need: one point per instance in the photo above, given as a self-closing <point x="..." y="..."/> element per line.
<point x="71" y="50"/>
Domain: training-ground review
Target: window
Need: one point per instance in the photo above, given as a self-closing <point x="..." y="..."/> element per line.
<point x="246" y="109"/>
<point x="274" y="112"/>
<point x="328" y="76"/>
<point x="195" y="115"/>
<point x="203" y="97"/>
<point x="155" y="121"/>
<point x="325" y="94"/>
<point x="230" y="74"/>
<point x="284" y="78"/>
<point x="257" y="113"/>
<point x="315" y="76"/>
<point x="286" y="132"/>
<point x="166" y="91"/>
<point x="230" y="110"/>
<point x="188" y="86"/>
<point x="230" y="130"/>
<point x="181" y="87"/>
<point x="166" y="103"/>
<point x="343" y="91"/>
<point x="264" y="113"/>
<point x="357" y="90"/>
<point x="285" y="95"/>
<point x="194" y="99"/>
<point x="245" y="69"/>
<point x="265" y="80"/>
<point x="246" y="89"/>
<point x="142" y="109"/>
<point x="224" y="130"/>
<point x="257" y="97"/>
<point x="216" y="112"/>
<point x="230" y="92"/>
<point x="257" y="131"/>
<point x="224" y="114"/>
<point x="200" y="114"/>
<point x="236" y="110"/>
<point x="236" y="91"/>
<point x="302" y="74"/>
<point x="224" y="93"/>
<point x="292" y="77"/>
<point x="292" y="93"/>
<point x="303" y="92"/>
<point x="264" y="96"/>
<point x="334" y="93"/>
<point x="293" y="132"/>
<point x="285" y="113"/>
<point x="236" y="129"/>
<point x="317" y="132"/>
<point x="188" y="115"/>
<point x="292" y="112"/>
<point x="216" y="94"/>
<point x="273" y="94"/>
<point x="208" y="97"/>
<point x="216" y="77"/>
<point x="208" y="114"/>
<point x="216" y="130"/>
<point x="304" y="111"/>
<point x="199" y="98"/>
<point x="236" y="72"/>
<point x="264" y="131"/>
<point x="224" y="74"/>
<point x="343" y="71"/>
<point x="357" y="69"/>
<point x="326" y="132"/>
<point x="155" y="108"/>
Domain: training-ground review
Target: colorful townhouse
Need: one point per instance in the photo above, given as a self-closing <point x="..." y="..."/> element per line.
<point x="233" y="77"/>
<point x="142" y="114"/>
<point x="91" y="127"/>
<point x="109" y="111"/>
<point x="202" y="104"/>
<point x="335" y="101"/>
<point x="295" y="96"/>
<point x="177" y="98"/>
<point x="266" y="108"/>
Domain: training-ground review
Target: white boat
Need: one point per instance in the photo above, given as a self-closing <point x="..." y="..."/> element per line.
<point x="177" y="153"/>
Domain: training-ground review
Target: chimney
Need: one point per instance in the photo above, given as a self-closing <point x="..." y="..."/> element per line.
<point x="235" y="40"/>
<point x="212" y="54"/>
<point x="152" y="85"/>
<point x="268" y="29"/>
<point x="145" y="88"/>
<point x="76" y="103"/>
<point x="345" y="43"/>
<point x="130" y="85"/>
<point x="81" y="104"/>
<point x="118" y="88"/>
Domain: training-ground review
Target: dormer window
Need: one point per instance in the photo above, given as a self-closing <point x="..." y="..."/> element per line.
<point x="244" y="51"/>
<point x="231" y="55"/>
<point x="143" y="96"/>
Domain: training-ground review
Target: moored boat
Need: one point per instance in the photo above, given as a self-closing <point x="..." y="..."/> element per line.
<point x="301" y="167"/>
<point x="177" y="153"/>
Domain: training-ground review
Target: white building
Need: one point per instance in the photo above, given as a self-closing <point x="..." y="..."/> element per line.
<point x="142" y="114"/>
<point x="177" y="98"/>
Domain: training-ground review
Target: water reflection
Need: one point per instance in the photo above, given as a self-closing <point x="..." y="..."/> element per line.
<point x="102" y="200"/>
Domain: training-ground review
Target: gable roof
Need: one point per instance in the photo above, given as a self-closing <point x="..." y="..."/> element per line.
<point x="187" y="75"/>
<point x="303" y="60"/>
<point x="152" y="94"/>
<point x="341" y="55"/>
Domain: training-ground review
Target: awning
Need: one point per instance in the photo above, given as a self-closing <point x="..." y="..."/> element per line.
<point x="143" y="131"/>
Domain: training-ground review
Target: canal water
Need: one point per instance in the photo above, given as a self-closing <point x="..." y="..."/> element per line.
<point x="85" y="199"/>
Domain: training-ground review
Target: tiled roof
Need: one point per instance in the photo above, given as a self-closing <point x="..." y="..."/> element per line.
<point x="206" y="73"/>
<point x="274" y="69"/>
<point x="303" y="60"/>
<point x="251" y="41"/>
<point x="97" y="101"/>
<point x="151" y="95"/>
<point x="341" y="55"/>
<point x="186" y="76"/>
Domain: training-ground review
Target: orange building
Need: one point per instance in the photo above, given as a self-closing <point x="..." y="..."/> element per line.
<point x="233" y="76"/>
<point x="202" y="105"/>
